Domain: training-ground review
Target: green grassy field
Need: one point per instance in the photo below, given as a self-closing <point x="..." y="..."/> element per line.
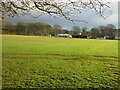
<point x="40" y="62"/>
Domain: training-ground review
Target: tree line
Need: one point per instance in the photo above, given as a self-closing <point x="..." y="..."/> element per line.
<point x="43" y="29"/>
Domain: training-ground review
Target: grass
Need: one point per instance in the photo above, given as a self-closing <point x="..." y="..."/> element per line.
<point x="49" y="62"/>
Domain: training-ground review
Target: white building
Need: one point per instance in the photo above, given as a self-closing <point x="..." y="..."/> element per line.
<point x="64" y="35"/>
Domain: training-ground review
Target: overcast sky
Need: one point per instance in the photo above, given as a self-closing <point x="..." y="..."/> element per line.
<point x="89" y="16"/>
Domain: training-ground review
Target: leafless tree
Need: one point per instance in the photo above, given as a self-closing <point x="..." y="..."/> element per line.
<point x="76" y="30"/>
<point x="62" y="8"/>
<point x="57" y="29"/>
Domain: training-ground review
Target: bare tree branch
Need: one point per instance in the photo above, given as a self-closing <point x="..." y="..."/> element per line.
<point x="63" y="8"/>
